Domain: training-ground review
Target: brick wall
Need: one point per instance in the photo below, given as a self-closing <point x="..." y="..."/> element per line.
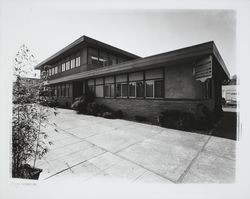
<point x="147" y="108"/>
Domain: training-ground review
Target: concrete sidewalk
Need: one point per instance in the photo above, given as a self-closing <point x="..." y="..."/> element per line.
<point x="90" y="148"/>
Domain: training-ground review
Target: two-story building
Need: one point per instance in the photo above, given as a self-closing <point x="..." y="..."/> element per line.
<point x="179" y="79"/>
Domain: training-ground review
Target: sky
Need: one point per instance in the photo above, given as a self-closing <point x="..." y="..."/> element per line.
<point x="46" y="28"/>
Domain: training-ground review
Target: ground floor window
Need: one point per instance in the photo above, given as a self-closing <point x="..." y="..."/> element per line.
<point x="143" y="84"/>
<point x="99" y="91"/>
<point x="59" y="90"/>
<point x="121" y="90"/>
<point x="154" y="88"/>
<point x="159" y="88"/>
<point x="67" y="90"/>
<point x="109" y="90"/>
<point x="63" y="90"/>
<point x="139" y="89"/>
<point x="132" y="89"/>
<point x="149" y="88"/>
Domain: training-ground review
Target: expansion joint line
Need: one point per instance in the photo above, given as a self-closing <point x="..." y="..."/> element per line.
<point x="195" y="158"/>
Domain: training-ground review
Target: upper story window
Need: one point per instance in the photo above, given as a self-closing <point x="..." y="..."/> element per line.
<point x="93" y="56"/>
<point x="78" y="61"/>
<point x="52" y="71"/>
<point x="73" y="63"/>
<point x="121" y="59"/>
<point x="112" y="60"/>
<point x="63" y="67"/>
<point x="67" y="65"/>
<point x="103" y="58"/>
<point x="56" y="69"/>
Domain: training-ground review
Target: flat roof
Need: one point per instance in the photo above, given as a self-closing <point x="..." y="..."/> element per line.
<point x="208" y="48"/>
<point x="87" y="40"/>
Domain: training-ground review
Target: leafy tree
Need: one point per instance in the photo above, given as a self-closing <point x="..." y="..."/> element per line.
<point x="30" y="116"/>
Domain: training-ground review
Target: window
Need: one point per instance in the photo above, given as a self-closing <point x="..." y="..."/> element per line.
<point x="55" y="90"/>
<point x="112" y="59"/>
<point x="94" y="60"/>
<point x="63" y="90"/>
<point x="154" y="88"/>
<point x="52" y="71"/>
<point x="103" y="58"/>
<point x="67" y="90"/>
<point x="159" y="86"/>
<point x="121" y="59"/>
<point x="132" y="89"/>
<point x="99" y="87"/>
<point x="124" y="89"/>
<point x="56" y="69"/>
<point x="59" y="90"/>
<point x="78" y="62"/>
<point x="73" y="63"/>
<point x="109" y="90"/>
<point x="63" y="67"/>
<point x="149" y="86"/>
<point x="68" y="65"/>
<point x="121" y="90"/>
<point x="139" y="89"/>
<point x="99" y="90"/>
<point x="154" y="83"/>
<point x="93" y="56"/>
<point x="91" y="85"/>
<point x="118" y="90"/>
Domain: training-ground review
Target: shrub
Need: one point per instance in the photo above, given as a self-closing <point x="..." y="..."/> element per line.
<point x="80" y="103"/>
<point x="118" y="114"/>
<point x="204" y="118"/>
<point x="140" y="118"/>
<point x="50" y="101"/>
<point x="176" y="119"/>
<point x="92" y="108"/>
<point x="108" y="115"/>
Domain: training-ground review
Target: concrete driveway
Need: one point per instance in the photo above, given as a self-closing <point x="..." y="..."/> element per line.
<point x="87" y="148"/>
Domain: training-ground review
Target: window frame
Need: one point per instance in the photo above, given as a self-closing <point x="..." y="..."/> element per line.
<point x="73" y="60"/>
<point x="78" y="61"/>
<point x="109" y="86"/>
<point x="132" y="82"/>
<point x="63" y="66"/>
<point x="67" y="65"/>
<point x="145" y="87"/>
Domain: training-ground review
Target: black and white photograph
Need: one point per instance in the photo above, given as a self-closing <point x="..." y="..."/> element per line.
<point x="118" y="100"/>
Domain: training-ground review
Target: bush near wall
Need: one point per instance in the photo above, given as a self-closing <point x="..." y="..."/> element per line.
<point x="203" y="119"/>
<point x="86" y="105"/>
